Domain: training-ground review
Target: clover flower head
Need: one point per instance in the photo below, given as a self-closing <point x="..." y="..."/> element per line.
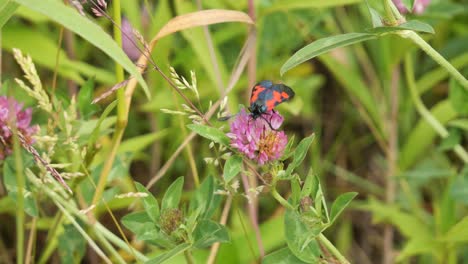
<point x="23" y="120"/>
<point x="256" y="139"/>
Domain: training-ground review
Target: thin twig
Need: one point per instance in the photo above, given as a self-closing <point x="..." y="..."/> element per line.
<point x="30" y="254"/>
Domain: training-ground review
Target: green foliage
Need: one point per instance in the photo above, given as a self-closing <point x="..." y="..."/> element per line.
<point x="352" y="98"/>
<point x="232" y="167"/>
<point x="282" y="256"/>
<point x="9" y="179"/>
<point x="86" y="29"/>
<point x="210" y="133"/>
<point x="71" y="245"/>
<point x="85" y="97"/>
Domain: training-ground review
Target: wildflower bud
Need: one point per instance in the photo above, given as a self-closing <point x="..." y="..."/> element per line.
<point x="170" y="220"/>
<point x="419" y="6"/>
<point x="306" y="203"/>
<point x="129" y="41"/>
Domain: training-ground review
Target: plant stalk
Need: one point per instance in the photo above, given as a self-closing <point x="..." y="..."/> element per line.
<point x="425" y="113"/>
<point x="280" y="199"/>
<point x="435" y="56"/>
<point x="122" y="113"/>
<point x="330" y="247"/>
<point x="20" y="181"/>
<point x="189" y="257"/>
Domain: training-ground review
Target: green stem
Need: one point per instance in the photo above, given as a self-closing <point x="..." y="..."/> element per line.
<point x="19" y="197"/>
<point x="20" y="183"/>
<point x="435" y="56"/>
<point x="280" y="199"/>
<point x="189" y="257"/>
<point x="425" y="113"/>
<point x="330" y="247"/>
<point x="122" y="116"/>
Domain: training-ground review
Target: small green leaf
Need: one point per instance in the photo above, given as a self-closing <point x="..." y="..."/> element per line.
<point x="300" y="241"/>
<point x="414" y="25"/>
<point x="210" y="133"/>
<point x="169" y="254"/>
<point x="454" y="138"/>
<point x="96" y="131"/>
<point x="310" y="186"/>
<point x="323" y="45"/>
<point x="71" y="245"/>
<point x="209" y="232"/>
<point x="232" y="167"/>
<point x="459" y="189"/>
<point x="375" y="16"/>
<point x="203" y="197"/>
<point x="458" y="97"/>
<point x="340" y="204"/>
<point x="417" y="26"/>
<point x="295" y="192"/>
<point x="171" y="198"/>
<point x="85" y="97"/>
<point x="9" y="180"/>
<point x="282" y="256"/>
<point x="300" y="153"/>
<point x="288" y="149"/>
<point x="149" y="202"/>
<point x="141" y="225"/>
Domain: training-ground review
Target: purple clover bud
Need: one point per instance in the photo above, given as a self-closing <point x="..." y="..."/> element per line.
<point x="419" y="6"/>
<point x="23" y="120"/>
<point x="129" y="41"/>
<point x="255" y="138"/>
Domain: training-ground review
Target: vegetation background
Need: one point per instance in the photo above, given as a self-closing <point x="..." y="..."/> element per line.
<point x="389" y="123"/>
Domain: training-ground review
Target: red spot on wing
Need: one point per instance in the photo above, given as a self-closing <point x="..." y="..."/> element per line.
<point x="270" y="104"/>
<point x="255" y="92"/>
<point x="276" y="96"/>
<point x="284" y="95"/>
